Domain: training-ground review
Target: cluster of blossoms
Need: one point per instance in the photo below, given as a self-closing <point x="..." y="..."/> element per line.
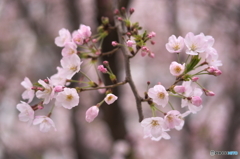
<point x="56" y="87"/>
<point x="201" y="59"/>
<point x="204" y="58"/>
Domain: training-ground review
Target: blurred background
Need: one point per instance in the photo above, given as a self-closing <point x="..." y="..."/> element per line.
<point x="28" y="29"/>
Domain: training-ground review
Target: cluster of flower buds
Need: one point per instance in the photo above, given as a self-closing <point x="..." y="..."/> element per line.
<point x="134" y="40"/>
<point x="203" y="60"/>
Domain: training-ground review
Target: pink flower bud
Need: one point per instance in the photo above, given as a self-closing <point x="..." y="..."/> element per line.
<point x="105" y="63"/>
<point x="91" y="113"/>
<point x="119" y="18"/>
<point x="151" y="34"/>
<point x="40" y="106"/>
<point x="179" y="89"/>
<point x="196" y="100"/>
<point x="130" y="43"/>
<point x="217" y="72"/>
<point x="58" y="88"/>
<point x="116" y="11"/>
<point x="194" y="79"/>
<point x="131" y="10"/>
<point x="151" y="54"/>
<point x="152" y="42"/>
<point x="102" y="69"/>
<point x="98" y="52"/>
<point x="211" y="70"/>
<point x="114" y="43"/>
<point x="94" y="40"/>
<point x="208" y="92"/>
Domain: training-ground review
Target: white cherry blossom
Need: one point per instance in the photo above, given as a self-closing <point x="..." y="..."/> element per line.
<point x="159" y="95"/>
<point x="28" y="93"/>
<point x="45" y="123"/>
<point x="68" y="98"/>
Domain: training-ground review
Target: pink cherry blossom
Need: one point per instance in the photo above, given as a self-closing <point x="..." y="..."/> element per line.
<point x="195" y="79"/>
<point x="102" y="69"/>
<point x="195" y="43"/>
<point x="28" y="93"/>
<point x="101" y="84"/>
<point x="45" y="123"/>
<point x="154" y="128"/>
<point x="110" y="98"/>
<point x="63" y="38"/>
<point x="212" y="60"/>
<point x="48" y="93"/>
<point x="179" y="89"/>
<point x="60" y="77"/>
<point x="208" y="92"/>
<point x="114" y="43"/>
<point x="85" y="30"/>
<point x="71" y="65"/>
<point x="176" y="69"/>
<point x="190" y="93"/>
<point x="91" y="113"/>
<point x="78" y="37"/>
<point x="69" y="49"/>
<point x="26" y="112"/>
<point x="159" y="95"/>
<point x="58" y="88"/>
<point x="130" y="43"/>
<point x="151" y="34"/>
<point x="68" y="98"/>
<point x="175" y="45"/>
<point x="173" y="119"/>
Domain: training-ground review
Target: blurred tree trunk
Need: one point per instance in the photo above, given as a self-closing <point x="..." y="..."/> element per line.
<point x="113" y="115"/>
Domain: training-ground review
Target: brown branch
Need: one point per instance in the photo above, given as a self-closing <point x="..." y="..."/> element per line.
<point x="128" y="72"/>
<point x="109" y="86"/>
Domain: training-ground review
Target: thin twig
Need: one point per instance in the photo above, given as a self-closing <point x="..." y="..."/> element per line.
<point x="109" y="86"/>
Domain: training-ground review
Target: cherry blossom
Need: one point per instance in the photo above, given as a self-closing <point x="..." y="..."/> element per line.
<point x="59" y="78"/>
<point x="78" y="37"/>
<point x="154" y="128"/>
<point x="45" y="123"/>
<point x="91" y="113"/>
<point x="85" y="30"/>
<point x="71" y="65"/>
<point x="173" y="119"/>
<point x="192" y="97"/>
<point x="63" y="38"/>
<point x="47" y="93"/>
<point x="159" y="95"/>
<point x="68" y="98"/>
<point x="195" y="43"/>
<point x="176" y="69"/>
<point x="26" y="112"/>
<point x="69" y="49"/>
<point x="110" y="98"/>
<point x="130" y="43"/>
<point x="179" y="89"/>
<point x="175" y="45"/>
<point x="28" y="93"/>
<point x="102" y="69"/>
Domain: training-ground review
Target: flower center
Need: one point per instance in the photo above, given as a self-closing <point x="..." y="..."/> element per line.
<point x="176" y="47"/>
<point x="109" y="98"/>
<point x="161" y="95"/>
<point x="73" y="68"/>
<point x="69" y="97"/>
<point x="178" y="69"/>
<point x="193" y="47"/>
<point x="154" y="123"/>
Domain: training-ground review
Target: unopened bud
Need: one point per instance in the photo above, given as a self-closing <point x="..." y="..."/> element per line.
<point x="131" y="10"/>
<point x="94" y="40"/>
<point x="106" y="63"/>
<point x="46" y="81"/>
<point x="195" y="79"/>
<point x="152" y="42"/>
<point x="119" y="18"/>
<point x="58" y="88"/>
<point x="208" y="92"/>
<point x="123" y="9"/>
<point x="196" y="100"/>
<point x="114" y="43"/>
<point x="116" y="12"/>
